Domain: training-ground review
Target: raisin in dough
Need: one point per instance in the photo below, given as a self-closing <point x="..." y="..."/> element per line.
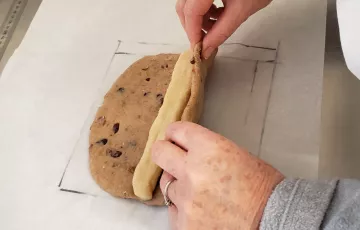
<point x="120" y="130"/>
<point x="183" y="101"/>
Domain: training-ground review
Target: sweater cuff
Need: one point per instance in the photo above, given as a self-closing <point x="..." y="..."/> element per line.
<point x="298" y="204"/>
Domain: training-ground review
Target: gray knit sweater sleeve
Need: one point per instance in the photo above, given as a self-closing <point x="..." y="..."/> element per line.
<point x="304" y="205"/>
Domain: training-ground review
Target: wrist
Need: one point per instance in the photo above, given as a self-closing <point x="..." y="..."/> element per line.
<point x="262" y="195"/>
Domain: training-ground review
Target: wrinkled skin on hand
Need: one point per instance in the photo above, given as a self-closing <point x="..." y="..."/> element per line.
<point x="218" y="185"/>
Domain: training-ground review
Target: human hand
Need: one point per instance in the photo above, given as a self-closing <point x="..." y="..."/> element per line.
<point x="217" y="184"/>
<point x="220" y="23"/>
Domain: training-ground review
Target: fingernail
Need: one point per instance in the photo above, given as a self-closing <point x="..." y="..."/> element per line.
<point x="207" y="53"/>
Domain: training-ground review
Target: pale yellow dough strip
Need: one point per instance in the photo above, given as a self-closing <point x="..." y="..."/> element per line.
<point x="183" y="101"/>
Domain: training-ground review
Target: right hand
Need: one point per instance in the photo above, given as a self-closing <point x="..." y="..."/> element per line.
<point x="218" y="185"/>
<point x="220" y="23"/>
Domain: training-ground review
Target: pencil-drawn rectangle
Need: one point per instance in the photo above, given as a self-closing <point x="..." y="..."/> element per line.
<point x="236" y="98"/>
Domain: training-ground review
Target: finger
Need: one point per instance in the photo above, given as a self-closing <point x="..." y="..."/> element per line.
<point x="172" y="189"/>
<point x="189" y="136"/>
<point x="225" y="26"/>
<point x="194" y="12"/>
<point x="180" y="4"/>
<point x="169" y="157"/>
<point x="173" y="217"/>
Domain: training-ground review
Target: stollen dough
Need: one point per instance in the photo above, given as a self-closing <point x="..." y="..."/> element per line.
<point x="120" y="129"/>
<point x="183" y="101"/>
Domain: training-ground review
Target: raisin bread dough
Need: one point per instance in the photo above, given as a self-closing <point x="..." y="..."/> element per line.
<point x="120" y="130"/>
<point x="183" y="101"/>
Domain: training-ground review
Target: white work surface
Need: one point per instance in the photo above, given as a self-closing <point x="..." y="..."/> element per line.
<point x="264" y="93"/>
